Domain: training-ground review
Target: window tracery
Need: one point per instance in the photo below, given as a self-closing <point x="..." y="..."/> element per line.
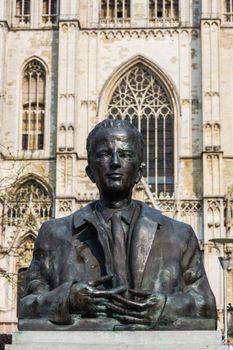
<point x="49" y="11"/>
<point x="142" y="99"/>
<point x="23" y="9"/>
<point x="113" y="11"/>
<point x="31" y="203"/>
<point x="228" y="10"/>
<point x="33" y="106"/>
<point x="163" y="10"/>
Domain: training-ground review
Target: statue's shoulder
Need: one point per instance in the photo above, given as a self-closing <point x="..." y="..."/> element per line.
<point x="165" y="221"/>
<point x="60" y="226"/>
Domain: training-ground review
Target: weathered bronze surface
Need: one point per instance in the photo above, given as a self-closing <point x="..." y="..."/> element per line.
<point x="116" y="264"/>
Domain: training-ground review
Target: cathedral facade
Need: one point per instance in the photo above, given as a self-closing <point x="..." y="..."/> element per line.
<point x="165" y="65"/>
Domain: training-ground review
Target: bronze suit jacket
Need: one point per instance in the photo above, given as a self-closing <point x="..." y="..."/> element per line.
<point x="164" y="257"/>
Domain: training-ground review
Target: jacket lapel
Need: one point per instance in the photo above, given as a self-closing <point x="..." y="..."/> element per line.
<point x="87" y="215"/>
<point x="142" y="241"/>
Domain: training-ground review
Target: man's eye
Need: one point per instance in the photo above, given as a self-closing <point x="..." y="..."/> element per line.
<point x="125" y="154"/>
<point x="102" y="154"/>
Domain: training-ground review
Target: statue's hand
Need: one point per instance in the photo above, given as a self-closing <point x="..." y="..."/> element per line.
<point x="87" y="299"/>
<point x="141" y="314"/>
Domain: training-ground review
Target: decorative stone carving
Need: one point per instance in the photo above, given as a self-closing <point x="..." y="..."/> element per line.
<point x="31" y="204"/>
<point x="65" y="207"/>
<point x="214" y="217"/>
<point x="66" y="173"/>
<point x="229" y="209"/>
<point x="143" y="33"/>
<point x="25" y="252"/>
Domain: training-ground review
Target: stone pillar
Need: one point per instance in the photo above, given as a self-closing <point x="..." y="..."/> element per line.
<point x="211" y="9"/>
<point x="212" y="155"/>
<point x="3" y="12"/>
<point x="185" y="12"/>
<point x="3" y="38"/>
<point x="67" y="104"/>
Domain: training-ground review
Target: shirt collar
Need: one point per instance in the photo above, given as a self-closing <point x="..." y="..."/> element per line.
<point x="126" y="213"/>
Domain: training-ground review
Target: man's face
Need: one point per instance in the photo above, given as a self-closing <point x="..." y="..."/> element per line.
<point x="114" y="164"/>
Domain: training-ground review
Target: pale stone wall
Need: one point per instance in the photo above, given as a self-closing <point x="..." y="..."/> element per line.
<point x="84" y="59"/>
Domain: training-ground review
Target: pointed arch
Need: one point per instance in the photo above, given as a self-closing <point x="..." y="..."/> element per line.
<point x="33" y="104"/>
<point x="31" y="203"/>
<point x="140" y="92"/>
<point x="37" y="179"/>
<point x="120" y="71"/>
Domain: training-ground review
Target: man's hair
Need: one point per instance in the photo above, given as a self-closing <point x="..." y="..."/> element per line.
<point x="116" y="123"/>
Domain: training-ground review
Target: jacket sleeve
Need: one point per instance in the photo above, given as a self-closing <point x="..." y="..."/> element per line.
<point x="40" y="299"/>
<point x="195" y="300"/>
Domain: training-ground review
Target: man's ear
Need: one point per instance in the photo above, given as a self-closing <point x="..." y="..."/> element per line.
<point x="90" y="173"/>
<point x="139" y="175"/>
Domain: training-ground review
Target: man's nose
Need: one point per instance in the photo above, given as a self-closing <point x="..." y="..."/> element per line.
<point x="115" y="160"/>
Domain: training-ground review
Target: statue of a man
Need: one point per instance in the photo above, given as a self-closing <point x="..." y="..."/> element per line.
<point x="116" y="263"/>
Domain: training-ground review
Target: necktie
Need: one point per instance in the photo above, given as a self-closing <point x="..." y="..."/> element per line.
<point x="119" y="249"/>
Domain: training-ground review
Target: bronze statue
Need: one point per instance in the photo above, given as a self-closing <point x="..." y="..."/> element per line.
<point x="116" y="263"/>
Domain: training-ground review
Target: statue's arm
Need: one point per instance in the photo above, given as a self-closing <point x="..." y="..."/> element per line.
<point x="193" y="307"/>
<point x="196" y="300"/>
<point x="57" y="304"/>
<point x="40" y="300"/>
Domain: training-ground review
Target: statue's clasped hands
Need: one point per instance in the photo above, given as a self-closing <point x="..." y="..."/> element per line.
<point x="143" y="313"/>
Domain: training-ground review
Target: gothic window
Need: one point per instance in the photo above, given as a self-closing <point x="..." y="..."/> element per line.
<point x="142" y="99"/>
<point x="31" y="204"/>
<point x="49" y="11"/>
<point x="115" y="10"/>
<point x="33" y="106"/>
<point x="23" y="8"/>
<point x="162" y="9"/>
<point x="228" y="10"/>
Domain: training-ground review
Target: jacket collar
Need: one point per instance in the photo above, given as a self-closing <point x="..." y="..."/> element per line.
<point x="151" y="214"/>
<point x="85" y="214"/>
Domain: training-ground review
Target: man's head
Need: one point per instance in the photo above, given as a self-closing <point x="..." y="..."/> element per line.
<point x="116" y="124"/>
<point x="115" y="149"/>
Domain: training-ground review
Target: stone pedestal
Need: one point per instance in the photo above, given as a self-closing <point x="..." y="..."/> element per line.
<point x="116" y="340"/>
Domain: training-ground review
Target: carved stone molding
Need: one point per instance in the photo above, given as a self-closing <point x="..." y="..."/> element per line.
<point x="210" y="125"/>
<point x="140" y="33"/>
<point x="68" y="26"/>
<point x="229" y="209"/>
<point x="209" y="23"/>
<point x="90" y="103"/>
<point x="183" y="207"/>
<point x="87" y="197"/>
<point x="30" y="206"/>
<point x="65" y="207"/>
<point x="214" y="213"/>
<point x="211" y="93"/>
<point x="67" y="95"/>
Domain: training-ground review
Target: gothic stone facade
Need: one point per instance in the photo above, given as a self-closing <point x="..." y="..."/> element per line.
<point x="167" y="66"/>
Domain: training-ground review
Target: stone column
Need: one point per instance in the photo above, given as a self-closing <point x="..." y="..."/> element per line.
<point x="212" y="155"/>
<point x="3" y="38"/>
<point x="67" y="104"/>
